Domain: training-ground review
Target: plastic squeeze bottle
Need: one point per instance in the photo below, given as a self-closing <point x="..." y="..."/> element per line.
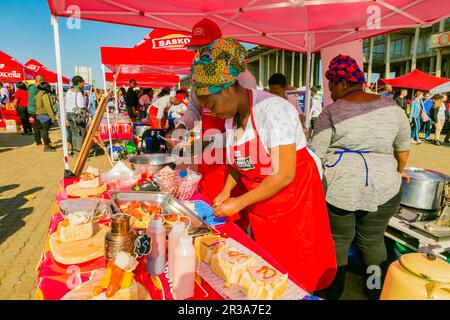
<point x="156" y="260"/>
<point x="184" y="269"/>
<point x="174" y="236"/>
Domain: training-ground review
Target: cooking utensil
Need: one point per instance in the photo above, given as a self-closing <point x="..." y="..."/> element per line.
<point x="153" y="162"/>
<point x="425" y="189"/>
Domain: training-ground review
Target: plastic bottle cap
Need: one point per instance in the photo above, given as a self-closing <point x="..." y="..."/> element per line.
<point x="185" y="241"/>
<point x="183" y="173"/>
<point x="178" y="226"/>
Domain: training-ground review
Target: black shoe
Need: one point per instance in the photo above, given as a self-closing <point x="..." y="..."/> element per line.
<point x="39" y="144"/>
<point x="49" y="149"/>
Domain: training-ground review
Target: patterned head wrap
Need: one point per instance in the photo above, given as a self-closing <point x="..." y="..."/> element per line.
<point x="217" y="66"/>
<point x="344" y="68"/>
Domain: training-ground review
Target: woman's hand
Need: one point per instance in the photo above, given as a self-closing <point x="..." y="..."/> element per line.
<point x="221" y="198"/>
<point x="228" y="208"/>
<point x="405" y="175"/>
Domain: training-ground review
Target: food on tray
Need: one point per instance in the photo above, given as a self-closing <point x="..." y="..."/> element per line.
<point x="124" y="205"/>
<point x="263" y="282"/>
<point x="118" y="280"/>
<point x="170" y="219"/>
<point x="152" y="207"/>
<point x="89" y="179"/>
<point x="210" y="245"/>
<point x="76" y="226"/>
<point x="230" y="265"/>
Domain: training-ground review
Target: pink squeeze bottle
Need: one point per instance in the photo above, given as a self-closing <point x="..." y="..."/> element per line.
<point x="156" y="260"/>
<point x="184" y="269"/>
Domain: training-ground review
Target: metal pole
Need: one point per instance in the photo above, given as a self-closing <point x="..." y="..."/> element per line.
<point x="107" y="115"/>
<point x="62" y="107"/>
<point x="369" y="72"/>
<point x="115" y="96"/>
<point x="388" y="57"/>
<point x="292" y="68"/>
<point x="308" y="79"/>
<point x="300" y="73"/>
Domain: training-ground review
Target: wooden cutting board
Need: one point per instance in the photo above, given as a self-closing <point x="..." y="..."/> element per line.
<point x="74" y="191"/>
<point x="79" y="251"/>
<point x="84" y="291"/>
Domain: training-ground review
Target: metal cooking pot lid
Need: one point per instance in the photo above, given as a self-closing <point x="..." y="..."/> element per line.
<point x="426" y="175"/>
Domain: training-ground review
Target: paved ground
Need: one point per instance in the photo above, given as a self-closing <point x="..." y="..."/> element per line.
<point x="28" y="184"/>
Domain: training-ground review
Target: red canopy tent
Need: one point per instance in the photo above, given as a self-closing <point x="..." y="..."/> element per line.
<point x="162" y="51"/>
<point x="40" y="69"/>
<point x="12" y="71"/>
<point x="416" y="79"/>
<point x="145" y="80"/>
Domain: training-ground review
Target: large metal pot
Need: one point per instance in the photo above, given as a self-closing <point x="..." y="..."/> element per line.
<point x="153" y="162"/>
<point x="425" y="189"/>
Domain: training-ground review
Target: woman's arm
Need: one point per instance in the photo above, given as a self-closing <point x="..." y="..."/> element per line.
<point x="323" y="131"/>
<point x="283" y="167"/>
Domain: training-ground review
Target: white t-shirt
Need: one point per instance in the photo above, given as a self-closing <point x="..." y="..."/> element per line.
<point x="4" y="93"/>
<point x="176" y="111"/>
<point x="74" y="98"/>
<point x="316" y="106"/>
<point x="162" y="103"/>
<point x="277" y="123"/>
<point x="441" y="113"/>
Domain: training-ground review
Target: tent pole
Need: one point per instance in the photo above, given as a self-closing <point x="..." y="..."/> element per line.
<point x="107" y="115"/>
<point x="307" y="93"/>
<point x="62" y="108"/>
<point x="115" y="95"/>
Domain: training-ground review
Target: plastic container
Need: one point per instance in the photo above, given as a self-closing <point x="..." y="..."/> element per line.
<point x="177" y="232"/>
<point x="156" y="260"/>
<point x="181" y="184"/>
<point x="184" y="269"/>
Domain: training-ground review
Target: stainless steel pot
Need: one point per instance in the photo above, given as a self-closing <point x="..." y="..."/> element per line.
<point x="425" y="189"/>
<point x="153" y="162"/>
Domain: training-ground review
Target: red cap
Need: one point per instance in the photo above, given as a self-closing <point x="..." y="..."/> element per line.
<point x="184" y="89"/>
<point x="179" y="97"/>
<point x="204" y="32"/>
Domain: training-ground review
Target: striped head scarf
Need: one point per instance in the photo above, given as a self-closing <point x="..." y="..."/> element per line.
<point x="344" y="68"/>
<point x="217" y="66"/>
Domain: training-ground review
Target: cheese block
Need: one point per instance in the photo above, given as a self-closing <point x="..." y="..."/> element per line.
<point x="75" y="233"/>
<point x="263" y="282"/>
<point x="211" y="245"/>
<point x="230" y="265"/>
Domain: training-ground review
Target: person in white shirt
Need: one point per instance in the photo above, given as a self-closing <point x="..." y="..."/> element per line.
<point x="316" y="108"/>
<point x="75" y="103"/>
<point x="157" y="112"/>
<point x="4" y="94"/>
<point x="177" y="110"/>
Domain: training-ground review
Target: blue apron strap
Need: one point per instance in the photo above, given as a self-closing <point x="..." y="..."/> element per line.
<point x="360" y="152"/>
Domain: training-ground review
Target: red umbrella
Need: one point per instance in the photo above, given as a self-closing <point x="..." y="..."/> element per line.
<point x="13" y="71"/>
<point x="416" y="80"/>
<point x="39" y="69"/>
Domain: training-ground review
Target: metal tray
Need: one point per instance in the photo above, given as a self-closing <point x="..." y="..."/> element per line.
<point x="170" y="205"/>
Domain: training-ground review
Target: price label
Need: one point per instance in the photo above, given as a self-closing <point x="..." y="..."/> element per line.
<point x="142" y="245"/>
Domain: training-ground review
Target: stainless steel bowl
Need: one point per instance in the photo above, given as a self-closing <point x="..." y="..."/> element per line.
<point x="153" y="162"/>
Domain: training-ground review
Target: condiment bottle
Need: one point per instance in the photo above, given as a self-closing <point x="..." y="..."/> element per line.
<point x="156" y="260"/>
<point x="174" y="236"/>
<point x="184" y="268"/>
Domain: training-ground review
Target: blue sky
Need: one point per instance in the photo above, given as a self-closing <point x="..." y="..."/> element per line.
<point x="27" y="34"/>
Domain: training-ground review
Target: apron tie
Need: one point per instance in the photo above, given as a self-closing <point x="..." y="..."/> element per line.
<point x="360" y="152"/>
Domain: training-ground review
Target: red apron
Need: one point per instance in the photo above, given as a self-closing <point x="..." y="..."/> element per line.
<point x="153" y="118"/>
<point x="214" y="175"/>
<point x="293" y="225"/>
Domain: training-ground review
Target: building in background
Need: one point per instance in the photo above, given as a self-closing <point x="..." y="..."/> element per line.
<point x="85" y="73"/>
<point x="426" y="49"/>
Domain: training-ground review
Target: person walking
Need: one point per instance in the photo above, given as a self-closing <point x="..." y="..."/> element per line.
<point x="31" y="108"/>
<point x="427" y="105"/>
<point x="76" y="113"/>
<point x="316" y="109"/>
<point x="437" y="114"/>
<point x="131" y="100"/>
<point x="20" y="103"/>
<point x="44" y="113"/>
<point x="415" y="116"/>
<point x="363" y="171"/>
<point x="387" y="91"/>
<point x="400" y="98"/>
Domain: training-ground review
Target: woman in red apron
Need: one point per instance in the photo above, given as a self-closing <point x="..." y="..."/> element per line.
<point x="285" y="198"/>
